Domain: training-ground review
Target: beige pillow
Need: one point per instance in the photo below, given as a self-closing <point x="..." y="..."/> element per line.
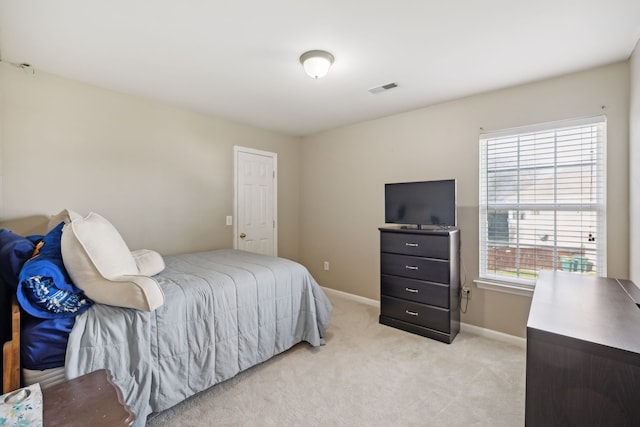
<point x="100" y="263"/>
<point x="149" y="262"/>
<point x="65" y="215"/>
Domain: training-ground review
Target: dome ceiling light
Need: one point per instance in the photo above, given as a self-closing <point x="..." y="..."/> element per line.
<point x="316" y="63"/>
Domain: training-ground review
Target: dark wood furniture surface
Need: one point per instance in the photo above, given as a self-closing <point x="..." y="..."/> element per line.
<point x="89" y="400"/>
<point x="583" y="352"/>
<point x="420" y="281"/>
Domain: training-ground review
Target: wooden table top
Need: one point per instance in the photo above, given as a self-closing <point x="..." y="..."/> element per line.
<point x="597" y="310"/>
<point x="89" y="400"/>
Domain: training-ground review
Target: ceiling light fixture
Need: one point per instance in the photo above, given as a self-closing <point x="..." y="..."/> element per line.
<point x="316" y="63"/>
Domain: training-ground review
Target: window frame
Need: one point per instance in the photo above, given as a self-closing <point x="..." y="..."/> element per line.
<point x="518" y="285"/>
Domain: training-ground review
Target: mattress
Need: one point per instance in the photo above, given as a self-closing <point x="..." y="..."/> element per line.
<point x="46" y="377"/>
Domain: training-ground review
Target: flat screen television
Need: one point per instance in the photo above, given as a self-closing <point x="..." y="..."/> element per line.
<point x="431" y="203"/>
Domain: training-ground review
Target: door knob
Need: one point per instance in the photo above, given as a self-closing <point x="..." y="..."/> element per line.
<point x="242" y="235"/>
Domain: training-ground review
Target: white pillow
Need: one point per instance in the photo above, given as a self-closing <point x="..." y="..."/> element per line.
<point x="100" y="263"/>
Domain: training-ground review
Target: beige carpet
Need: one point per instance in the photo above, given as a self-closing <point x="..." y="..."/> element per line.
<point x="368" y="375"/>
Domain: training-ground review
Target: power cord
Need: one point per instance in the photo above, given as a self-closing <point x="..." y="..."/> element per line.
<point x="464" y="282"/>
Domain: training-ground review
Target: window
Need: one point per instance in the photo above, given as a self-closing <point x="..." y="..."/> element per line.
<point x="542" y="200"/>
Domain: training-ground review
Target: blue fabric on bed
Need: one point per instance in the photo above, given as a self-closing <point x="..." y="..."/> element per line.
<point x="14" y="251"/>
<point x="44" y="287"/>
<point x="43" y="342"/>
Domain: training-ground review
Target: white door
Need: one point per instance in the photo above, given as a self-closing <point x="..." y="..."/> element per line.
<point x="255" y="198"/>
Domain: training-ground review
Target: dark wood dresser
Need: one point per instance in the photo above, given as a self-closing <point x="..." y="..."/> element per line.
<point x="583" y="352"/>
<point x="420" y="281"/>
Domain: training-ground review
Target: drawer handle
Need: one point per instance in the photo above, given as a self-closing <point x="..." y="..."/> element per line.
<point x="413" y="245"/>
<point x="411" y="313"/>
<point x="410" y="267"/>
<point x="413" y="291"/>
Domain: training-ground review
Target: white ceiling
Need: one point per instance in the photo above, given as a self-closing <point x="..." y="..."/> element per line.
<point x="238" y="59"/>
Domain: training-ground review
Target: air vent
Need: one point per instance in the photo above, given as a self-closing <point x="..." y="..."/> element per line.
<point x="384" y="88"/>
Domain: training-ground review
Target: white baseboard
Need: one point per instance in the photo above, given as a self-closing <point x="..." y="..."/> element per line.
<point x="490" y="333"/>
<point x="466" y="327"/>
<point x="352" y="297"/>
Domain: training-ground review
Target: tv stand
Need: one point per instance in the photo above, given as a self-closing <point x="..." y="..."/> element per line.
<point x="420" y="281"/>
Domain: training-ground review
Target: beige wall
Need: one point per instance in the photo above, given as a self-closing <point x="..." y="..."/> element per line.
<point x="162" y="175"/>
<point x="344" y="170"/>
<point x="634" y="170"/>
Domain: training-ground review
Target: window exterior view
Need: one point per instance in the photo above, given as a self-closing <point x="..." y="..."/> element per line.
<point x="542" y="200"/>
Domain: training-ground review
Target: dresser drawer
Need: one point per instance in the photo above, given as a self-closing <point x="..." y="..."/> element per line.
<point x="412" y="312"/>
<point x="425" y="245"/>
<point x="415" y="290"/>
<point x="432" y="270"/>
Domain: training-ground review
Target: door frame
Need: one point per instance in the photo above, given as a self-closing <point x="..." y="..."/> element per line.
<point x="274" y="159"/>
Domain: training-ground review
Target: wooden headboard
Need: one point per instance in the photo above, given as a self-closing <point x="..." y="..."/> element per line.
<point x="10" y="324"/>
<point x="11" y="352"/>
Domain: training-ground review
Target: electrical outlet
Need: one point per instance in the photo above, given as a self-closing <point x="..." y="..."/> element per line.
<point x="466" y="292"/>
<point x="326" y="266"/>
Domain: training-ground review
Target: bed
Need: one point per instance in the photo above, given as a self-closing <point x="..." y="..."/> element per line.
<point x="224" y="311"/>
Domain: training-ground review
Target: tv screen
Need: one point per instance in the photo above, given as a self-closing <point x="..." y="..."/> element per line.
<point x="421" y="203"/>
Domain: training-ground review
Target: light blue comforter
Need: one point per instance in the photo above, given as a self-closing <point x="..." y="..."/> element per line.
<point x="224" y="312"/>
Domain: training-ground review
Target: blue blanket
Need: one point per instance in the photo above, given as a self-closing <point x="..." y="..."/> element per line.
<point x="14" y="251"/>
<point x="44" y="287"/>
<point x="43" y="342"/>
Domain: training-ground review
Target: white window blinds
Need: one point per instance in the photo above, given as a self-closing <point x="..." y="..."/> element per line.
<point x="542" y="200"/>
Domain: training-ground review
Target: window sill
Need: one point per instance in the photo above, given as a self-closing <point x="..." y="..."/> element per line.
<point x="509" y="288"/>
